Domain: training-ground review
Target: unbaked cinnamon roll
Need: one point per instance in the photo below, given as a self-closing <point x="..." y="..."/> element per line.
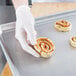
<point x="73" y="41"/>
<point x="44" y="47"/>
<point x="63" y="25"/>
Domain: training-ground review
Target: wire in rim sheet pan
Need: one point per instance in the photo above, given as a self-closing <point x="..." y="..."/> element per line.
<point x="62" y="62"/>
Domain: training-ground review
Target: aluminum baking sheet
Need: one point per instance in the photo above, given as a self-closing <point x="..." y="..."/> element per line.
<point x="62" y="62"/>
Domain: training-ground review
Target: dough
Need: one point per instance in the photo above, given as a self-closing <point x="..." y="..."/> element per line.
<point x="73" y="41"/>
<point x="44" y="47"/>
<point x="63" y="25"/>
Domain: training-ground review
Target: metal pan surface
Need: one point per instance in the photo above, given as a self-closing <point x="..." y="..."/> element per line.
<point x="62" y="62"/>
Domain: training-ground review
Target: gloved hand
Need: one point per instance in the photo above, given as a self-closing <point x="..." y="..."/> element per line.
<point x="25" y="30"/>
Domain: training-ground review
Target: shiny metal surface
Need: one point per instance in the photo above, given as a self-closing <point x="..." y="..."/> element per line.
<point x="6" y="15"/>
<point x="62" y="62"/>
<point x="2" y="60"/>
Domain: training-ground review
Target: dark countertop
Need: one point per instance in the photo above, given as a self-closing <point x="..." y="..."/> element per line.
<point x="7" y="14"/>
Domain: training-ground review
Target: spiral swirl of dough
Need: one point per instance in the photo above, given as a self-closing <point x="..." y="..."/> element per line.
<point x="73" y="41"/>
<point x="44" y="47"/>
<point x="63" y="25"/>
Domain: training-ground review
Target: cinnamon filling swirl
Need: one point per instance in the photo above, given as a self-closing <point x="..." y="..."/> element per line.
<point x="44" y="47"/>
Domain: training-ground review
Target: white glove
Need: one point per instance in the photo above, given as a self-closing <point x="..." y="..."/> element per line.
<point x="25" y="30"/>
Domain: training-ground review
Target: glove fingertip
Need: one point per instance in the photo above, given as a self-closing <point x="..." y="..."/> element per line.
<point x="37" y="56"/>
<point x="33" y="42"/>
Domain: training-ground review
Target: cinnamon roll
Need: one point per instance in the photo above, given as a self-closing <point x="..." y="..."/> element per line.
<point x="73" y="41"/>
<point x="44" y="47"/>
<point x="63" y="25"/>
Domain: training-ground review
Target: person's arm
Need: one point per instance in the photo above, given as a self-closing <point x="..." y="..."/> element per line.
<point x="18" y="3"/>
<point x="25" y="31"/>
